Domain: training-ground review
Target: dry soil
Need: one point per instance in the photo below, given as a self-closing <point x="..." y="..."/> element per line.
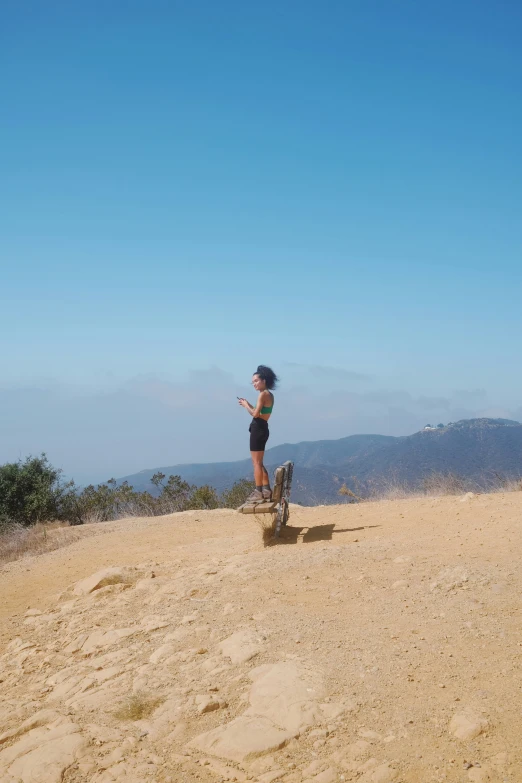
<point x="375" y="643"/>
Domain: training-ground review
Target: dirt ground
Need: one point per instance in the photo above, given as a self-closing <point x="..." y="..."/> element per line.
<point x="401" y="619"/>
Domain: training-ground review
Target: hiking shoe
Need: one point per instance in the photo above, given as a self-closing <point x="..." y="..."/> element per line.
<point x="255" y="495"/>
<point x="267" y="494"/>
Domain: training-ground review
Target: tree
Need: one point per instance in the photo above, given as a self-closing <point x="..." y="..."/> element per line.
<point x="106" y="502"/>
<point x="204" y="497"/>
<point x="440" y="426"/>
<point x="158" y="479"/>
<point x="92" y="504"/>
<point x="238" y="493"/>
<point x="32" y="491"/>
<point x="175" y="494"/>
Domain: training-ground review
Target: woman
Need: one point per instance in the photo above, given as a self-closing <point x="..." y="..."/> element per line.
<point x="263" y="380"/>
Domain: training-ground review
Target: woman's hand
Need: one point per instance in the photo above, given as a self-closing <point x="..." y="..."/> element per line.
<point x="243" y="402"/>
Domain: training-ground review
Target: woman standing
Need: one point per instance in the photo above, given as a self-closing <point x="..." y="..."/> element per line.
<point x="263" y="381"/>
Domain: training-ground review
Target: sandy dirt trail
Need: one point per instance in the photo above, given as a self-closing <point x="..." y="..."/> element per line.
<point x="376" y="643"/>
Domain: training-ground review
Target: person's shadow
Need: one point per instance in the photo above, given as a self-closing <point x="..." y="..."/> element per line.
<point x="290" y="535"/>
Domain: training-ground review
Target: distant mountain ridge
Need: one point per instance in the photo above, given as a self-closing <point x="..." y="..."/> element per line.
<point x="476" y="449"/>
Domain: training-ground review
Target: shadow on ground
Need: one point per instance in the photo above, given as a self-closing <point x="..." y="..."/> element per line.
<point x="291" y="535"/>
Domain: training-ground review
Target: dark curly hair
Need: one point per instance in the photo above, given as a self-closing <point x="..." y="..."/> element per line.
<point x="267" y="375"/>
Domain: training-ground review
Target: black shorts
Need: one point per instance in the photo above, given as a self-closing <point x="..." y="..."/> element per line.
<point x="258" y="434"/>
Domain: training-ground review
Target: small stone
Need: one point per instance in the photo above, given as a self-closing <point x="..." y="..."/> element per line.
<point x="242" y="646"/>
<point x="243" y="739"/>
<point x="107" y="576"/>
<point x="467" y="725"/>
<point x="206" y="703"/>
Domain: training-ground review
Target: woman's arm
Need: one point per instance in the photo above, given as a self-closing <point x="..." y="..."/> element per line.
<point x="250" y="408"/>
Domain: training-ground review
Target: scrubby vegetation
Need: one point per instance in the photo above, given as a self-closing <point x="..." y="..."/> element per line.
<point x="433" y="484"/>
<point x="17" y="541"/>
<point x="38" y="507"/>
<point x="137" y="706"/>
<point x="33" y="492"/>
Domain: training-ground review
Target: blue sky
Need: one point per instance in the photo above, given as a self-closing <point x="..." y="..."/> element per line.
<point x="191" y="188"/>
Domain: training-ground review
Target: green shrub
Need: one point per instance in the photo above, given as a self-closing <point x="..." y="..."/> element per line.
<point x="175" y="494"/>
<point x="237" y="494"/>
<point x="204" y="497"/>
<point x="32" y="491"/>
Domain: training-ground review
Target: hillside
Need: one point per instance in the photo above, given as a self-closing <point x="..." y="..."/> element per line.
<point x="376" y="643"/>
<point x="475" y="449"/>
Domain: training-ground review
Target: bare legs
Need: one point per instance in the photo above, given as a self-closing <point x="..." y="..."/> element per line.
<point x="260" y="474"/>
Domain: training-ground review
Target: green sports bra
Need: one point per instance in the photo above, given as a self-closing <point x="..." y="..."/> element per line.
<point x="268" y="409"/>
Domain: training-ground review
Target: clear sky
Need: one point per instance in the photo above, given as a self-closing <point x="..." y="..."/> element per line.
<point x="189" y="189"/>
